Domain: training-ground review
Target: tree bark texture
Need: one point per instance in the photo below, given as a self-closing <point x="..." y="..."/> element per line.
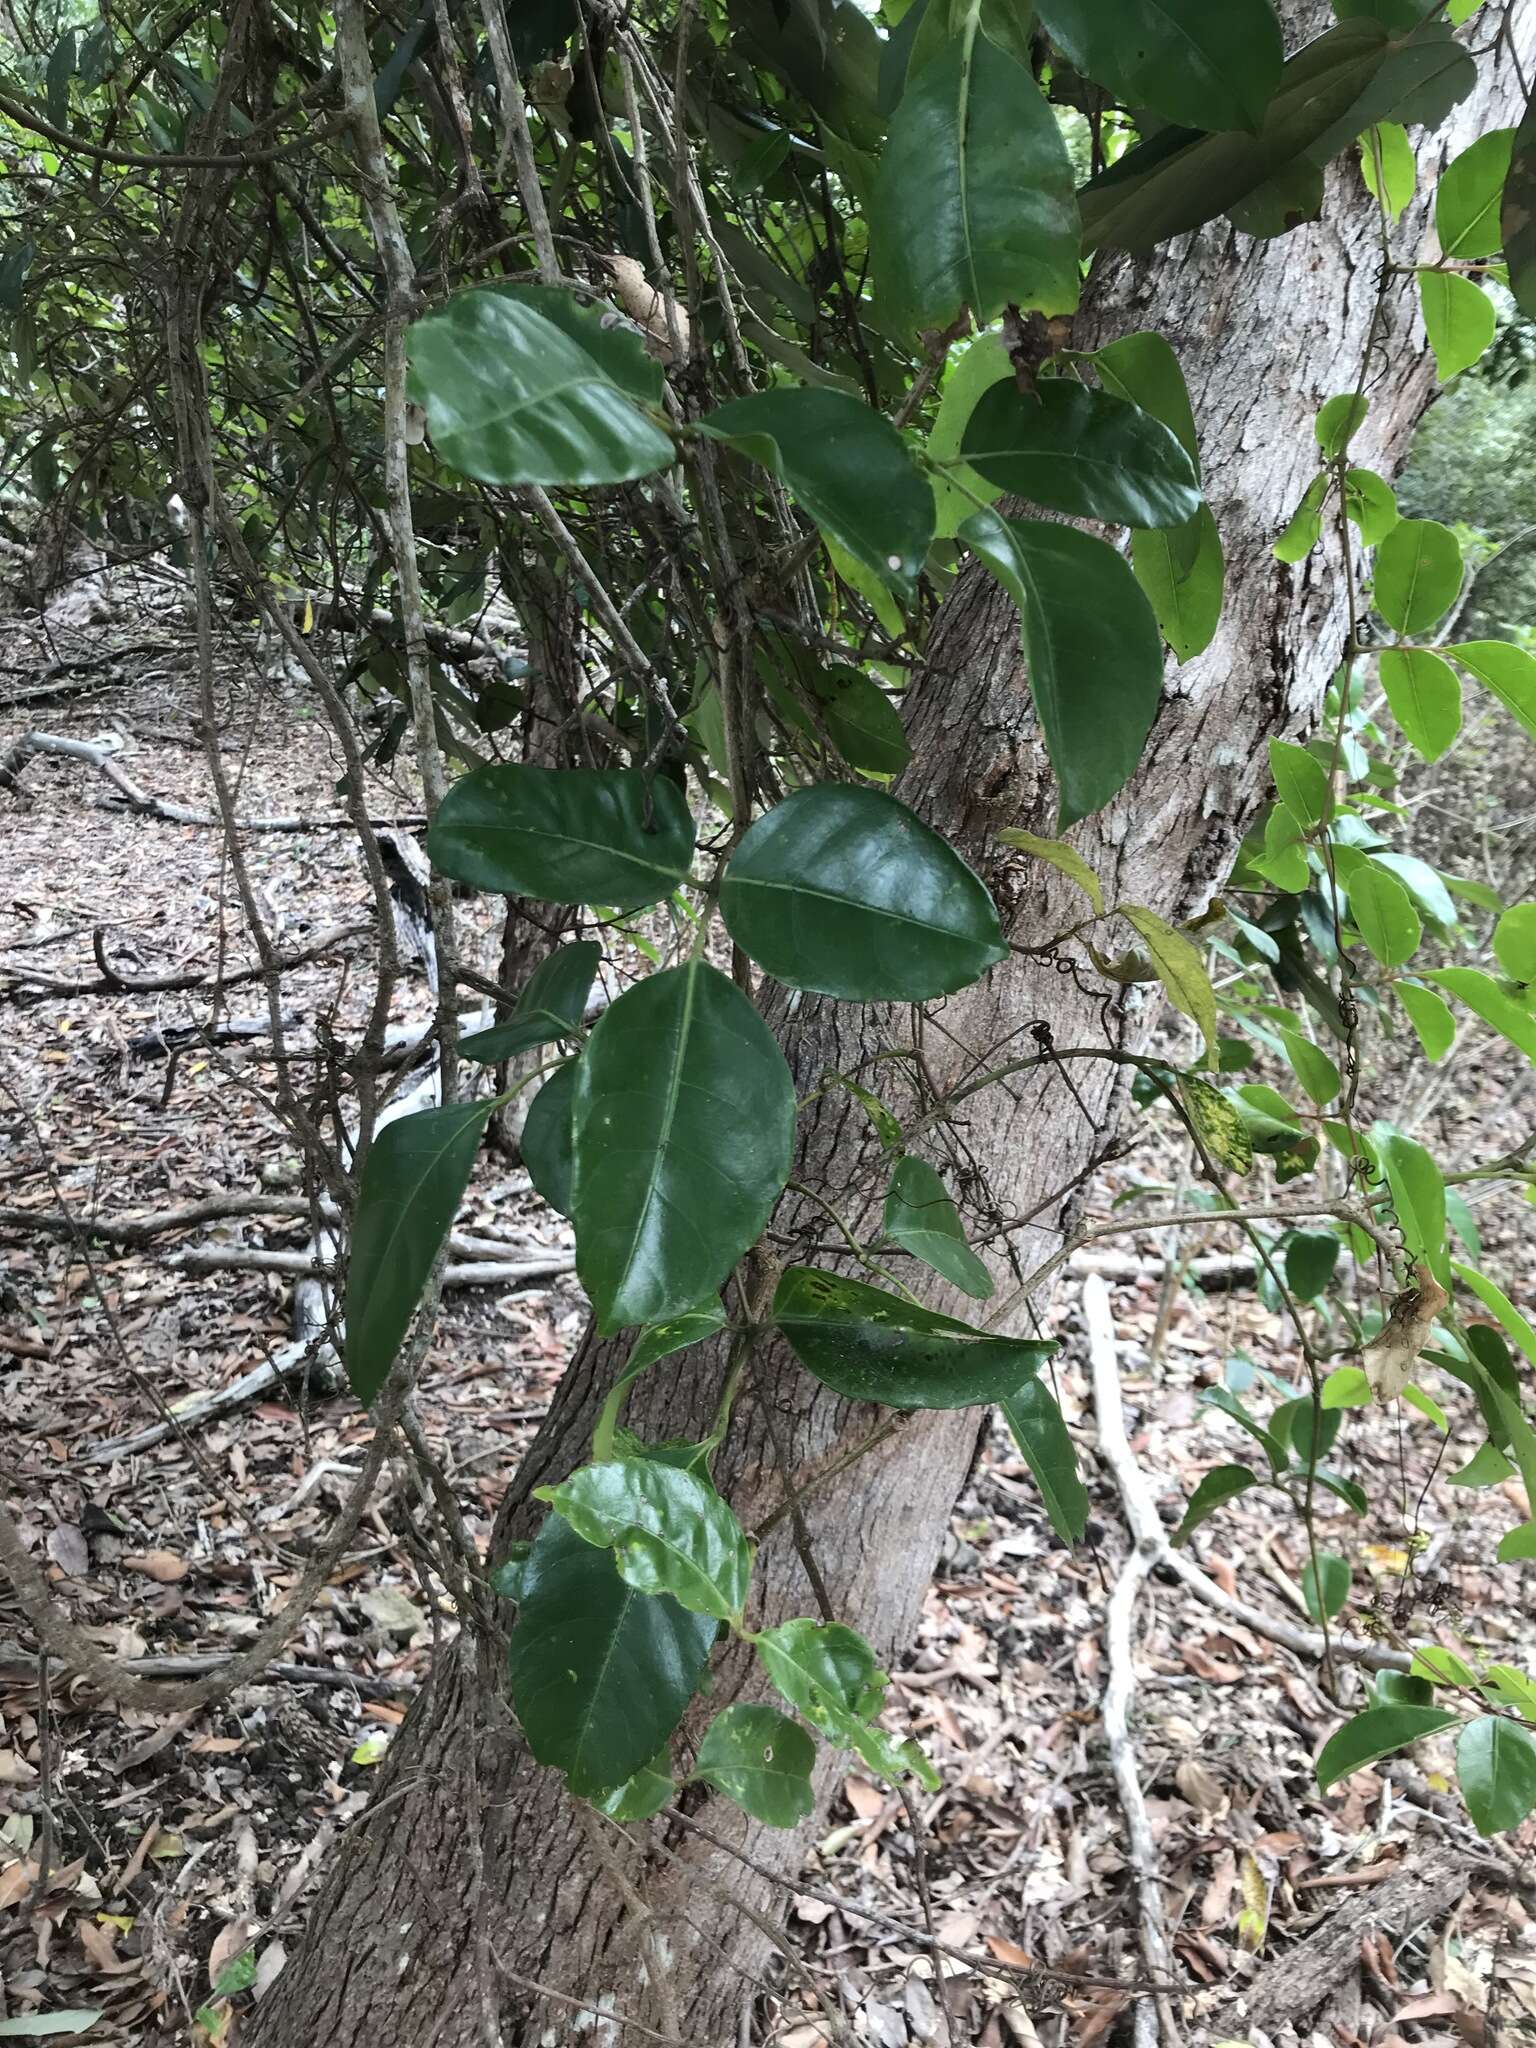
<point x="644" y="1925"/>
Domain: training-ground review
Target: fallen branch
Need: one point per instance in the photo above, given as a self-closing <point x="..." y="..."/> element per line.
<point x="292" y="1362"/>
<point x="111" y="982"/>
<point x="474" y="1272"/>
<point x="1154" y="2016"/>
<point x="1146" y="1527"/>
<point x="16" y="1663"/>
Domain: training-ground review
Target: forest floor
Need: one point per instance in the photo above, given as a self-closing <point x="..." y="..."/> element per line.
<point x="154" y="1870"/>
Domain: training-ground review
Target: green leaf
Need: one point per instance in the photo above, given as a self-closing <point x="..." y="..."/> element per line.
<point x="1202" y="63"/>
<point x="1310" y="1259"/>
<point x="1219" y="1127"/>
<point x="1308" y="1427"/>
<point x="1499" y="1304"/>
<point x="1091" y="644"/>
<point x="1496" y="1769"/>
<point x="866" y="727"/>
<point x="1383" y="910"/>
<point x="1514" y="942"/>
<point x="1371" y="502"/>
<point x="1311" y="1066"/>
<point x="548" y="1141"/>
<point x="1432" y="1019"/>
<point x="1036" y="1424"/>
<point x="1354" y="1497"/>
<point x="1347" y="1387"/>
<point x="1082" y="452"/>
<point x="669" y="1530"/>
<point x="1186" y="601"/>
<point x="974" y="203"/>
<point x="1517" y="1546"/>
<point x="840" y="889"/>
<point x="413" y="1179"/>
<point x="1425" y="1405"/>
<point x="552" y="1005"/>
<point x="1274" y="1450"/>
<point x="1325" y="1585"/>
<point x="1216" y="1488"/>
<point x="1468" y="195"/>
<point x="1338" y="421"/>
<point x="511" y="398"/>
<point x="1487" y="1466"/>
<point x="1517" y="221"/>
<point x="1301" y="780"/>
<point x="1143" y="369"/>
<point x="600" y="1673"/>
<point x="684" y="1121"/>
<point x="828" y="1674"/>
<point x="1459" y="320"/>
<point x="1424" y="694"/>
<point x="1304" y="529"/>
<point x="565" y="835"/>
<point x="845" y="465"/>
<point x="761" y="1759"/>
<point x="956" y="489"/>
<point x="658" y="1341"/>
<point x="1484" y="997"/>
<point x="1374" y="1734"/>
<point x="1441" y="1666"/>
<point x="1387" y="165"/>
<point x="1502" y="1682"/>
<point x="1418" y="575"/>
<point x="872" y="1346"/>
<point x="1179" y="968"/>
<point x="1065" y="859"/>
<point x="647" y="1792"/>
<point x="921" y="1218"/>
<point x="1508" y="671"/>
<point x="1418" y="1196"/>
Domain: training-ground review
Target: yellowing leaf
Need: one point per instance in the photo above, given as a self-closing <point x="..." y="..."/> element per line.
<point x="1253" y="1920"/>
<point x="1180" y="969"/>
<point x="1065" y="859"/>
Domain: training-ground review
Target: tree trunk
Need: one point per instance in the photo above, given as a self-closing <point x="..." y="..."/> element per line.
<point x="568" y="1907"/>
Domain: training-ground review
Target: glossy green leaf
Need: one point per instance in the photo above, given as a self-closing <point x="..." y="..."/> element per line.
<point x="1304" y="529"/>
<point x="1441" y="1666"/>
<point x="1484" y="998"/>
<point x="684" y="1122"/>
<point x="512" y="398"/>
<point x="1459" y="320"/>
<point x="1468" y="195"/>
<point x="565" y="835"/>
<point x="1186" y="600"/>
<point x="1293" y="196"/>
<point x="1035" y="1422"/>
<point x="1179" y="968"/>
<point x="1143" y="369"/>
<point x="1384" y="912"/>
<point x="552" y="1005"/>
<point x="1371" y="502"/>
<point x="1065" y="859"/>
<point x="1493" y="1298"/>
<point x="1506" y="670"/>
<point x="1347" y="1387"/>
<point x="921" y="1218"/>
<point x="865" y="726"/>
<point x="1325" y="1585"/>
<point x="1424" y="694"/>
<point x="840" y="889"/>
<point x="1274" y="1449"/>
<point x="1432" y="1019"/>
<point x="828" y="1674"/>
<point x="1216" y="1488"/>
<point x="548" y="1141"/>
<point x="1388" y="168"/>
<point x="1312" y="1067"/>
<point x="1375" y="1734"/>
<point x="1310" y="1259"/>
<point x="1514" y="942"/>
<point x="1487" y="1466"/>
<point x="654" y="1343"/>
<point x="1517" y="216"/>
<point x="600" y="1672"/>
<point x="974" y="202"/>
<point x="413" y="1180"/>
<point x="1338" y="421"/>
<point x="1418" y="575"/>
<point x="956" y="489"/>
<point x="1496" y="1770"/>
<point x="1091" y="645"/>
<point x="1310" y="1428"/>
<point x="845" y="465"/>
<point x="1418" y="1195"/>
<point x="1082" y="452"/>
<point x="762" y="1760"/>
<point x="1202" y="63"/>
<point x="869" y="1345"/>
<point x="669" y="1530"/>
<point x="1502" y="1682"/>
<point x="647" y="1792"/>
<point x="1301" y="780"/>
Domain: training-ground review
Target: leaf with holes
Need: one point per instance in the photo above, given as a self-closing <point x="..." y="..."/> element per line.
<point x="762" y="1760"/>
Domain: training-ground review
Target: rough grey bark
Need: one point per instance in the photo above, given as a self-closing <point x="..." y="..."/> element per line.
<point x="1264" y="331"/>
